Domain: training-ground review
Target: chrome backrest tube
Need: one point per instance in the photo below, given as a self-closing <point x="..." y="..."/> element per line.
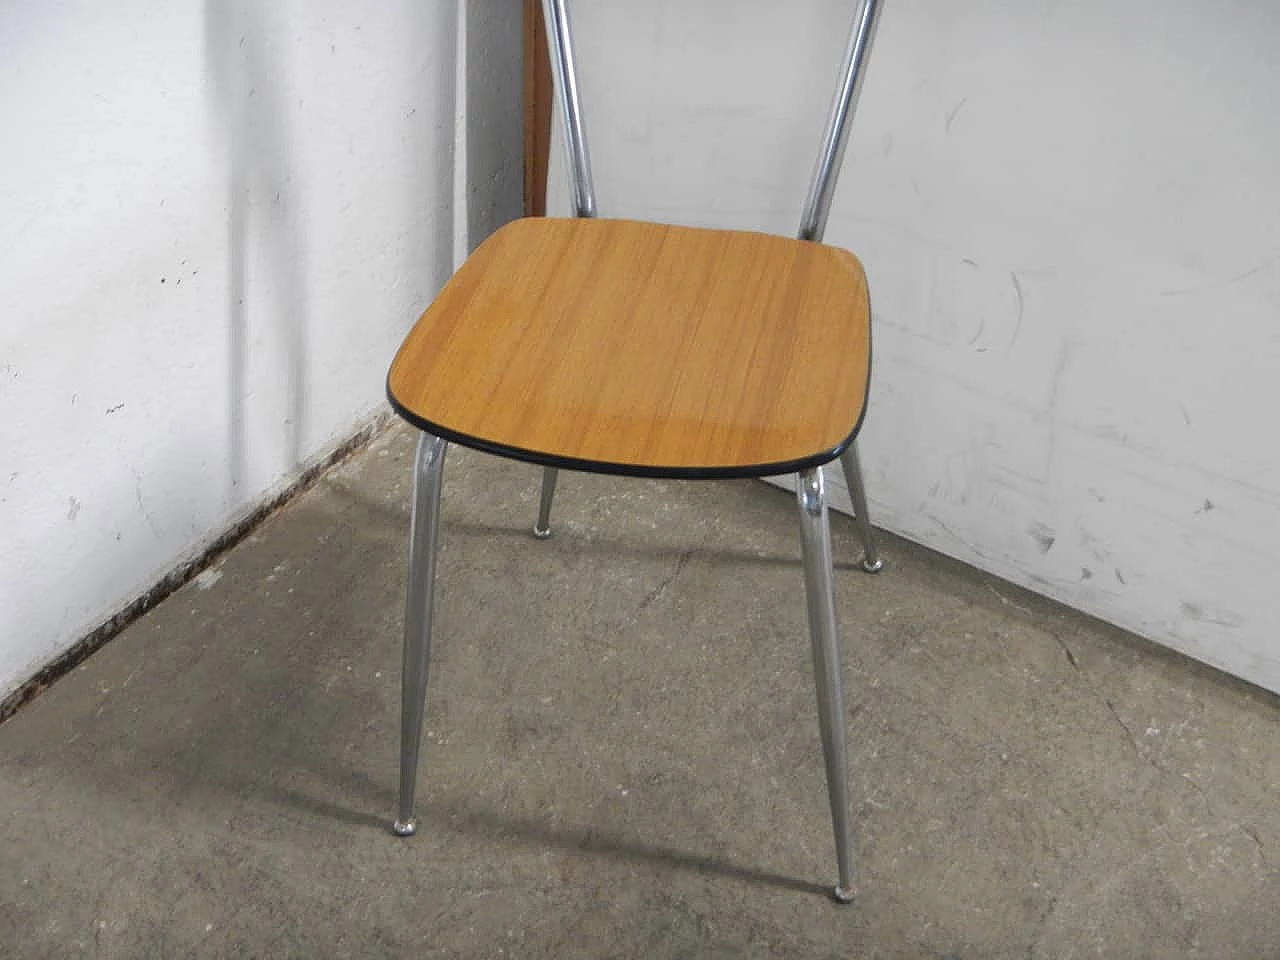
<point x="817" y="207"/>
<point x="564" y="69"/>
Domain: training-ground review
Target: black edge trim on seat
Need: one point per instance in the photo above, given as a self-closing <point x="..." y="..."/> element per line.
<point x="633" y="470"/>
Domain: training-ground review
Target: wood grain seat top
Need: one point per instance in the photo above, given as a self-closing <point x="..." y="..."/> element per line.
<point x="640" y="348"/>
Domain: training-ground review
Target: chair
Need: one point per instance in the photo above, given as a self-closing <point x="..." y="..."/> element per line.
<point x="641" y="349"/>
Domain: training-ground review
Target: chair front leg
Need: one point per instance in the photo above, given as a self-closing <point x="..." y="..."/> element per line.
<point x="815" y="539"/>
<point x="428" y="469"/>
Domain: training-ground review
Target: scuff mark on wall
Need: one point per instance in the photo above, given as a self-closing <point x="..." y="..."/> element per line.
<point x="1200" y="614"/>
<point x="142" y="507"/>
<point x="1043" y="535"/>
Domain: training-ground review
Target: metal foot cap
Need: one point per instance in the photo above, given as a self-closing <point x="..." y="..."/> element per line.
<point x="873" y="566"/>
<point x="541" y="533"/>
<point x="404" y="828"/>
<point x="844" y="894"/>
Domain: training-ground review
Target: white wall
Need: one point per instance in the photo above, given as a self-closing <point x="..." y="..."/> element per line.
<point x="1070" y="217"/>
<point x="216" y="221"/>
<point x="491" y="87"/>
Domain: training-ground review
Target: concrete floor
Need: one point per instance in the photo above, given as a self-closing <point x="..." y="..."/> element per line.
<point x="621" y="757"/>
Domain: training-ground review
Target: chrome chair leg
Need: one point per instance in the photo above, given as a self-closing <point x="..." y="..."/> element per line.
<point x="542" y="529"/>
<point x="815" y="539"/>
<point x="871" y="561"/>
<point x="428" y="469"/>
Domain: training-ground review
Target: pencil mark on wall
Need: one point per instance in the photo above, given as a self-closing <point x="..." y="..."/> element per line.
<point x="982" y="325"/>
<point x="1206" y="506"/>
<point x="951" y="115"/>
<point x="1120" y="578"/>
<point x="1258" y="269"/>
<point x="1022" y="303"/>
<point x="1055" y="378"/>
<point x="1243" y="275"/>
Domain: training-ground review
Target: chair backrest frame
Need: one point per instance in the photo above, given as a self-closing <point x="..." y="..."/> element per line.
<point x="826" y="170"/>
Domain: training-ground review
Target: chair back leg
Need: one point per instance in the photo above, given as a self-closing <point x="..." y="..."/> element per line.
<point x="852" y="468"/>
<point x="542" y="529"/>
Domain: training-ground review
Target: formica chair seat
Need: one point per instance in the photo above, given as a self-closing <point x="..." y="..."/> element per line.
<point x="645" y="349"/>
<point x="639" y="348"/>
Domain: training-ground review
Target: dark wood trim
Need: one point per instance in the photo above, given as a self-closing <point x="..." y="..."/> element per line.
<point x="538" y="92"/>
